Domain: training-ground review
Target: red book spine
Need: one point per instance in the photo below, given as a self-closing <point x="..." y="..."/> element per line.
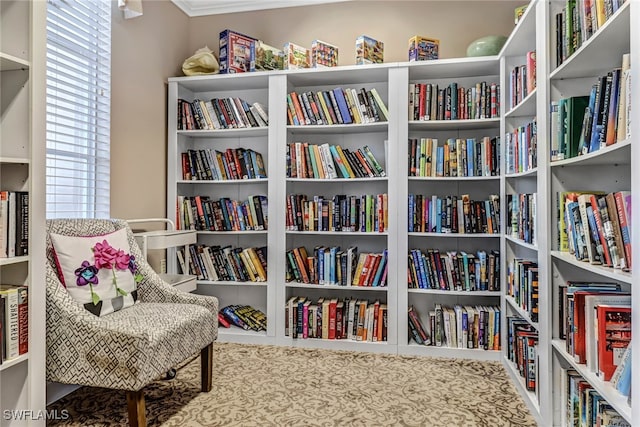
<point x="23" y="320"/>
<point x="332" y="319"/>
<point x="422" y="101"/>
<point x="614" y="335"/>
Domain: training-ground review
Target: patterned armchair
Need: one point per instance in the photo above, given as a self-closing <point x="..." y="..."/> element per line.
<point x="130" y="348"/>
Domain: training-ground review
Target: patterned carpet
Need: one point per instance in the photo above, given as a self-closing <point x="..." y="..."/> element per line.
<point x="281" y="386"/>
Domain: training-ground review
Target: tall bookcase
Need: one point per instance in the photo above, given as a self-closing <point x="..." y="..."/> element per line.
<point x="606" y="170"/>
<point x="524" y="241"/>
<point x="252" y="88"/>
<point x="465" y="72"/>
<point x="377" y="136"/>
<point x="22" y="168"/>
<point x="542" y="180"/>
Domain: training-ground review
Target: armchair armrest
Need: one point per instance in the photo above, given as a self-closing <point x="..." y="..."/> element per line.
<point x="153" y="289"/>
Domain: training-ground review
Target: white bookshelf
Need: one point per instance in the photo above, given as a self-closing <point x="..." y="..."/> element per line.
<point x="466" y="72"/>
<point x="251" y="88"/>
<point x="534" y="32"/>
<point x="608" y="169"/>
<point x="22" y="168"/>
<point x="352" y="137"/>
<point x="525" y="38"/>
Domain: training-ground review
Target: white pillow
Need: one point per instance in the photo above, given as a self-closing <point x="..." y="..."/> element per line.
<point x="97" y="271"/>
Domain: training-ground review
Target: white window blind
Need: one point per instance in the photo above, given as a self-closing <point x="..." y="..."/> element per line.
<point x="78" y="108"/>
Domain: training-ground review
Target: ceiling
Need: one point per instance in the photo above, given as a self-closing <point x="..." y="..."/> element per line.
<point x="216" y="7"/>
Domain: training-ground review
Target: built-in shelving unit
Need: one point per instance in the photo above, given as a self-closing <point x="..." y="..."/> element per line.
<point x="538" y="177"/>
<point x="606" y="170"/>
<point x="22" y="159"/>
<point x="251" y="88"/>
<point x="521" y="129"/>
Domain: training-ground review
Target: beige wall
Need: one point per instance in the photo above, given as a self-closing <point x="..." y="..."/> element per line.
<point x="145" y="51"/>
<point x="149" y="49"/>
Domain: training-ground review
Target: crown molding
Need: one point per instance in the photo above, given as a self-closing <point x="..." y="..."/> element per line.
<point x="194" y="8"/>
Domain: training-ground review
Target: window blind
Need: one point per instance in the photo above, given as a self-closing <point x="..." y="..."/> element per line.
<point x="78" y="108"/>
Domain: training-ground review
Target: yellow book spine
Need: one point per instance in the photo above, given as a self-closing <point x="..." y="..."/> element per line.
<point x="345" y="162"/>
<point x="262" y="274"/>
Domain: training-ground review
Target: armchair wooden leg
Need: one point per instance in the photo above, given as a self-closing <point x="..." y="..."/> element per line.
<point x="206" y="367"/>
<point x="136" y="409"/>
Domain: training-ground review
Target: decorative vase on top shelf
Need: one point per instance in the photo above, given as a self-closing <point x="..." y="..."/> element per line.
<point x="486" y="46"/>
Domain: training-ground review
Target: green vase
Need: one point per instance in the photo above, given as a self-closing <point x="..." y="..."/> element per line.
<point x="486" y="46"/>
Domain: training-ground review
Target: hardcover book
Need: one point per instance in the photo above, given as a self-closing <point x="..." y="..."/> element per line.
<point x="614" y="334"/>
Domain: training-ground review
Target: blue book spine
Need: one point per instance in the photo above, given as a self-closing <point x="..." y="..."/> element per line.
<point x="599" y="105"/>
<point x="332" y="265"/>
<point x="320" y="272"/>
<point x="338" y="161"/>
<point x="410" y="202"/>
<point x="417" y="267"/>
<point x="381" y="266"/>
<point x="342" y="105"/>
<point x="439" y="215"/>
<point x="440" y="161"/>
<point x="471" y="143"/>
<point x="424" y="270"/>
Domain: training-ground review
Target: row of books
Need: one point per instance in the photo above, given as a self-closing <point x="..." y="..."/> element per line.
<point x="454" y="271"/>
<point x="578" y="21"/>
<point x="455" y="157"/>
<point x="334" y="266"/>
<point x="521" y="217"/>
<point x="584" y="405"/>
<point x="585" y="124"/>
<point x="233" y="163"/>
<point x="366" y="213"/>
<point x="204" y="214"/>
<point x="14" y="321"/>
<point x="523" y="285"/>
<point x="522" y="79"/>
<point x="336" y="319"/>
<point x="14" y="223"/>
<point x="242" y="316"/>
<point x="220" y="113"/>
<point x="595" y="321"/>
<point x="225" y="263"/>
<point x="453" y="214"/>
<point x="328" y="161"/>
<point x="457" y="327"/>
<point x="428" y="101"/>
<point x="522" y="350"/>
<point x="336" y="106"/>
<point x="596" y="227"/>
<point x="521" y="148"/>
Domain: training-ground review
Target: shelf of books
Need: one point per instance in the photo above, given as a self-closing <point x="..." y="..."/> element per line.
<point x="219" y="174"/>
<point x="22" y="295"/>
<point x="591" y="158"/>
<point x="448" y="231"/>
<point x="523" y="245"/>
<point x="339" y="277"/>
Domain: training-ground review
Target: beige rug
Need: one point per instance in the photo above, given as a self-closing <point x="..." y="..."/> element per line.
<point x="281" y="386"/>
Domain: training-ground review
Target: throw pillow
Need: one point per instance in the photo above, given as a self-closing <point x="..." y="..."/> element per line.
<point x="98" y="271"/>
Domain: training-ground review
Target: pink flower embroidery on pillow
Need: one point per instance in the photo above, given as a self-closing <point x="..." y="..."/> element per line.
<point x="106" y="256"/>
